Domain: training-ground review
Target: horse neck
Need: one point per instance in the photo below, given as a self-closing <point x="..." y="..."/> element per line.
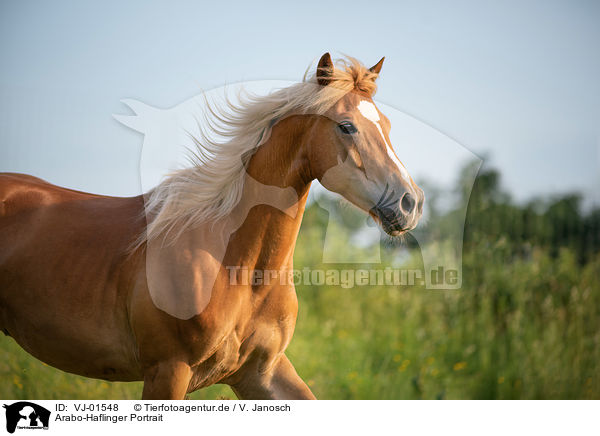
<point x="275" y="194"/>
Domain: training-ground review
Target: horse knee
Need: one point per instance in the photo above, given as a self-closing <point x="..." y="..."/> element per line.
<point x="167" y="381"/>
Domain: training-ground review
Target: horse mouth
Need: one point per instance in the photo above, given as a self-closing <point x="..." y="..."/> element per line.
<point x="389" y="221"/>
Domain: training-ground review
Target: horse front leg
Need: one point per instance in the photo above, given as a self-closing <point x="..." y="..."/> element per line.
<point x="166" y="381"/>
<point x="281" y="383"/>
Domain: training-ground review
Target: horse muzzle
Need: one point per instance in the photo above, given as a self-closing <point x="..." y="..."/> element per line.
<point x="398" y="217"/>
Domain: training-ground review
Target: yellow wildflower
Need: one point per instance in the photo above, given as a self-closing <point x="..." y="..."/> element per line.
<point x="458" y="366"/>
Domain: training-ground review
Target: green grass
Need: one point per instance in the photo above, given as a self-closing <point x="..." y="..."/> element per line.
<point x="522" y="329"/>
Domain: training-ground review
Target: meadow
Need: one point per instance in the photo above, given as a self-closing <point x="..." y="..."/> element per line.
<point x="524" y="325"/>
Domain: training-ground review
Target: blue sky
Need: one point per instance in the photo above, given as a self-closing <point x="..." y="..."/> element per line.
<point x="516" y="82"/>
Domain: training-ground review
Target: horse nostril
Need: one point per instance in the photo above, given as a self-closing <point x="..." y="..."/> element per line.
<point x="407" y="203"/>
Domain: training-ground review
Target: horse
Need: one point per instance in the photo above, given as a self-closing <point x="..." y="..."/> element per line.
<point x="150" y="287"/>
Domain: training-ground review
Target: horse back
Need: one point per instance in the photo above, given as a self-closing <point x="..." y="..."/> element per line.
<point x="20" y="192"/>
<point x="37" y="217"/>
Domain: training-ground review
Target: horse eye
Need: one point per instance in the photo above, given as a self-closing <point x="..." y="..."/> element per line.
<point x="347" y="127"/>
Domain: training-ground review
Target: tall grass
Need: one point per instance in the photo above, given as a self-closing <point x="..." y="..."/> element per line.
<point x="523" y="329"/>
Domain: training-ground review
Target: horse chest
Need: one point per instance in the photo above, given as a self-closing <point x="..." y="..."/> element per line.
<point x="235" y="356"/>
<point x="249" y="346"/>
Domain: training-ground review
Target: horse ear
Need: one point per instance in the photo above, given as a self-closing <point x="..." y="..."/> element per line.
<point x="324" y="70"/>
<point x="377" y="67"/>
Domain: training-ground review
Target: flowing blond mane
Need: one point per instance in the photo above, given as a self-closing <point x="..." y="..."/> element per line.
<point x="212" y="186"/>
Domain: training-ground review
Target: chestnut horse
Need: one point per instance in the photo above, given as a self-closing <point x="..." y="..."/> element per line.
<point x="141" y="288"/>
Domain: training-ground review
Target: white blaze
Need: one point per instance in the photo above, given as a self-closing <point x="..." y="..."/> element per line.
<point x="369" y="111"/>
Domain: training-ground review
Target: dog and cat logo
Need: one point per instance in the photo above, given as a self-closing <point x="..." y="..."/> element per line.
<point x="26" y="415"/>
